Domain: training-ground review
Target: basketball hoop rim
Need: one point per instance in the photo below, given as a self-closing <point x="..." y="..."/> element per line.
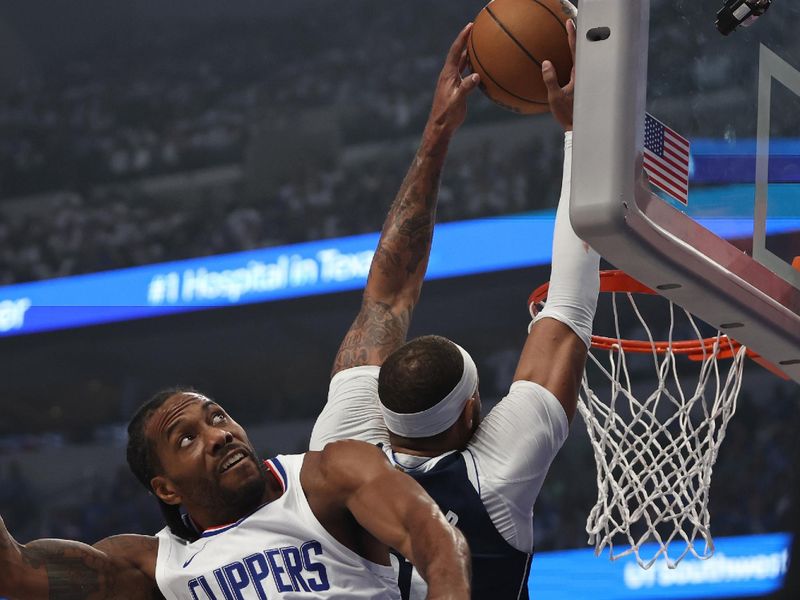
<point x="612" y="281"/>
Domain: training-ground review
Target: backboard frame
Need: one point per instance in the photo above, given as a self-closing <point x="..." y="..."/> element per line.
<point x="613" y="209"/>
<point x="771" y="68"/>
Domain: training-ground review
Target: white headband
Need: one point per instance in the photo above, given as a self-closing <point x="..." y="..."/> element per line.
<point x="441" y="415"/>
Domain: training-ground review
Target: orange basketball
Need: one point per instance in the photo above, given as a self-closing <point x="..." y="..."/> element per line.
<point x="510" y="39"/>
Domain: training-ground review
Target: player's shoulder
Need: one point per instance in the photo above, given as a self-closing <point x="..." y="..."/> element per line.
<point x="347" y="454"/>
<point x="135" y="550"/>
<point x="528" y="410"/>
<point x="526" y="395"/>
<point x="528" y="387"/>
<point x="128" y="544"/>
<point x="342" y="463"/>
<point x="362" y="378"/>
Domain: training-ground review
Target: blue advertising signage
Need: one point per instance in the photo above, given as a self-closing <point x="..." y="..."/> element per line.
<point x="741" y="566"/>
<point x="279" y="273"/>
<point x="264" y="275"/>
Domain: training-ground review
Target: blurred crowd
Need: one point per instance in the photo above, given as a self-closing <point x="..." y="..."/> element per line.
<point x="182" y="93"/>
<point x="189" y="94"/>
<point x="121" y="226"/>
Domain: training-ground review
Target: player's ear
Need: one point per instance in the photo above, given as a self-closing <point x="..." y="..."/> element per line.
<point x="163" y="488"/>
<point x="467" y="417"/>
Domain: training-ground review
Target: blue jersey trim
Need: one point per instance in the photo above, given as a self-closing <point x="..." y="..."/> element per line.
<point x="282" y="471"/>
<point x="224" y="528"/>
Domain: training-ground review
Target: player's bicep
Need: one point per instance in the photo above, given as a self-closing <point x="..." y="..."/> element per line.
<point x="386" y="502"/>
<point x="532" y="422"/>
<point x="61" y="569"/>
<point x="398" y="512"/>
<point x="554" y="357"/>
<point x="391" y="506"/>
<point x="378" y="330"/>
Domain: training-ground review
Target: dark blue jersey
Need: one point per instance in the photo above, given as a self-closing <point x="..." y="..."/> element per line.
<point x="499" y="571"/>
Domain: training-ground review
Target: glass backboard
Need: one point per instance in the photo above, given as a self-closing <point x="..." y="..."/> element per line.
<point x="700" y="200"/>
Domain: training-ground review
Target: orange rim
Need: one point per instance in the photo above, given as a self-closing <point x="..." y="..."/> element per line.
<point x="696" y="350"/>
<point x="610" y="281"/>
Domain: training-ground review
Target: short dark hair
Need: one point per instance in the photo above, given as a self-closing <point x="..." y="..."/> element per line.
<point x="144" y="462"/>
<point x="420" y="374"/>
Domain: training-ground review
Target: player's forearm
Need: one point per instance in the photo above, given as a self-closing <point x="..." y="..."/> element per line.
<point x="46" y="569"/>
<point x="66" y="570"/>
<point x="442" y="557"/>
<point x="401" y="259"/>
<point x="398" y="512"/>
<point x="574" y="278"/>
<point x="398" y="267"/>
<point x="436" y="138"/>
<point x="20" y="577"/>
<point x="402" y="256"/>
<point x="11" y="563"/>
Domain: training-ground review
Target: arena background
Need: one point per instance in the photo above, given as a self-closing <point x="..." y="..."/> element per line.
<point x="146" y="132"/>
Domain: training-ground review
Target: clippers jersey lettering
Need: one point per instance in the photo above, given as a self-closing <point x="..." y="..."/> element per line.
<point x="499" y="571"/>
<point x="280" y="551"/>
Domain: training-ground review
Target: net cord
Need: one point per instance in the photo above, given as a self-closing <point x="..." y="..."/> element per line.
<point x="654" y="472"/>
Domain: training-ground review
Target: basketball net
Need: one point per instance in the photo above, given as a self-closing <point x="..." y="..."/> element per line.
<point x="655" y="446"/>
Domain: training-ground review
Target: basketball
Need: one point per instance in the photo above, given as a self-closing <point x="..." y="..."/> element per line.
<point x="510" y="39"/>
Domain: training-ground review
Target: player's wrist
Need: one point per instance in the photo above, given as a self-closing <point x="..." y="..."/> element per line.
<point x="435" y="140"/>
<point x="11" y="561"/>
<point x="450" y="595"/>
<point x="449" y="591"/>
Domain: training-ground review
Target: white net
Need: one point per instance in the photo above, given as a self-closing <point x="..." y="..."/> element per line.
<point x="655" y="448"/>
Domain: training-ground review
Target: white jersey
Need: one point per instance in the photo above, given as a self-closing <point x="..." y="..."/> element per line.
<point x="511" y="451"/>
<point x="279" y="551"/>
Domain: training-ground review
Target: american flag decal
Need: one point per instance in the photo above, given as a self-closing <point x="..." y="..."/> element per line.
<point x="666" y="159"/>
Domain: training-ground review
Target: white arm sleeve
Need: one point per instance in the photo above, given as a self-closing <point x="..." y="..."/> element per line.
<point x="513" y="449"/>
<point x="574" y="275"/>
<point x="352" y="411"/>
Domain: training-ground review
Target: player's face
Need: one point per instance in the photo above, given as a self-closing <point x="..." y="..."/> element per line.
<point x="207" y="463"/>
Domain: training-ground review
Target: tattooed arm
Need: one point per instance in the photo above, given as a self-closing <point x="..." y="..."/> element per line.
<point x="399" y="264"/>
<point x="120" y="567"/>
<point x="397" y="270"/>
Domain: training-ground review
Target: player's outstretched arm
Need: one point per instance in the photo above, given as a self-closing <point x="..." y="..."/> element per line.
<point x="555" y="351"/>
<point x="400" y="261"/>
<point x="121" y="568"/>
<point x="395" y="510"/>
